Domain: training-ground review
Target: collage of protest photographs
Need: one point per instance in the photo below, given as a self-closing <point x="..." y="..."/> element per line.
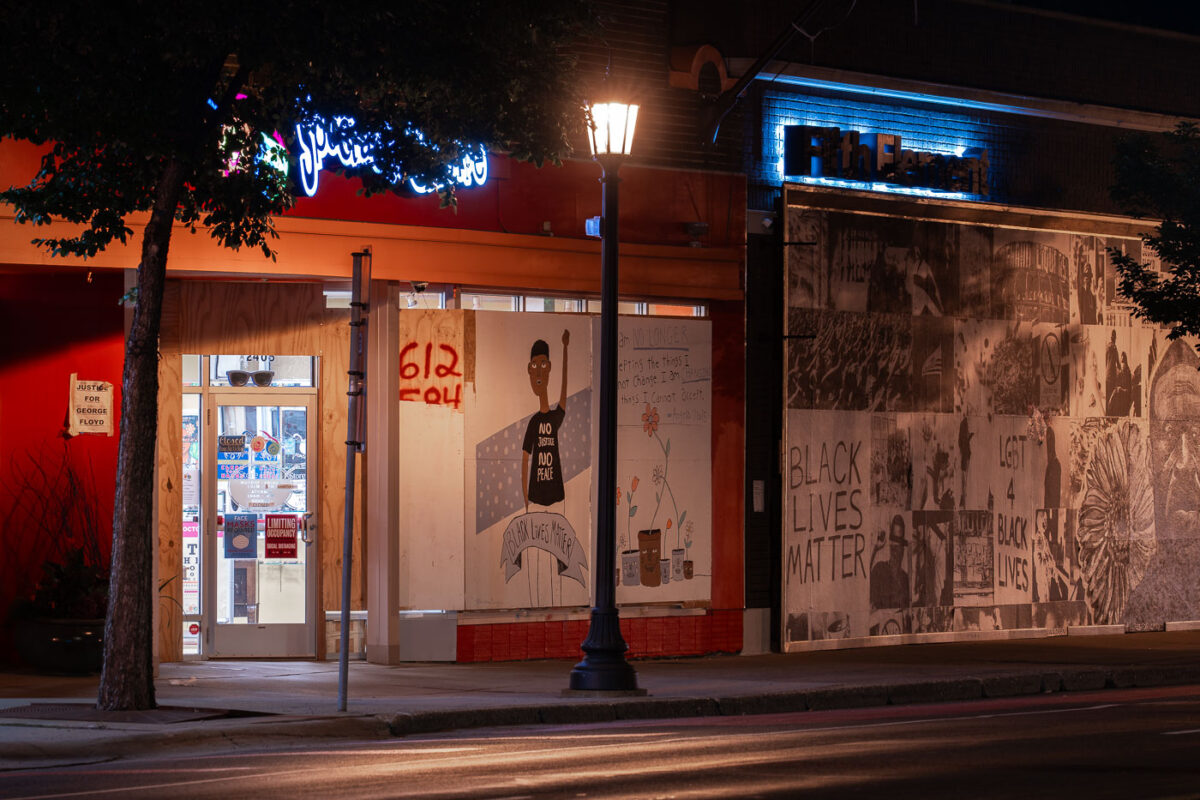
<point x="980" y="435"/>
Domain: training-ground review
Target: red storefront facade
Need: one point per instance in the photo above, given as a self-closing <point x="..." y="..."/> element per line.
<point x="521" y="236"/>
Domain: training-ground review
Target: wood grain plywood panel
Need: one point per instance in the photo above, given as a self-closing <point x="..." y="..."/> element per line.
<point x="333" y="413"/>
<point x="252" y="317"/>
<point x="169" y="477"/>
<point x="291" y="319"/>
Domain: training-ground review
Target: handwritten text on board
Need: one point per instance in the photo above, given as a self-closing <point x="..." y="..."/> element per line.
<point x="662" y="366"/>
<point x="430" y="373"/>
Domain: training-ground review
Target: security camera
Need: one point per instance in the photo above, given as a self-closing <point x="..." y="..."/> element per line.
<point x="419" y="286"/>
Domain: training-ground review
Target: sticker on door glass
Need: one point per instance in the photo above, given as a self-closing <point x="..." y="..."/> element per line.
<point x="265" y="457"/>
<point x="262" y="495"/>
<point x="231" y="444"/>
<point x="191" y="487"/>
<point x="227" y="471"/>
<point x="233" y="461"/>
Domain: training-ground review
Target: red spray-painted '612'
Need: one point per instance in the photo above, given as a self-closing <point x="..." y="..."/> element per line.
<point x="430" y="374"/>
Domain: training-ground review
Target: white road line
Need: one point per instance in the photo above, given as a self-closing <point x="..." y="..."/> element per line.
<point x="1181" y="733"/>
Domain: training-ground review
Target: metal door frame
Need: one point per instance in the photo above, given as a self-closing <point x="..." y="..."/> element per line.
<point x="254" y="640"/>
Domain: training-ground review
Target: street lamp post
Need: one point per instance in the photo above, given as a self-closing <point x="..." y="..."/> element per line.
<point x="604" y="668"/>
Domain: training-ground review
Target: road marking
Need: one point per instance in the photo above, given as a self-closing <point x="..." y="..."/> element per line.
<point x="1181" y="733"/>
<point x="401" y="749"/>
<point x="597" y="736"/>
<point x="922" y="720"/>
<point x="1047" y="711"/>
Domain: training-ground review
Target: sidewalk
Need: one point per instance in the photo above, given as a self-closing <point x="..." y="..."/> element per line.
<point x="288" y="700"/>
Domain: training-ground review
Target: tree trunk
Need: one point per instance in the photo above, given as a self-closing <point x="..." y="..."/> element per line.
<point x="127" y="680"/>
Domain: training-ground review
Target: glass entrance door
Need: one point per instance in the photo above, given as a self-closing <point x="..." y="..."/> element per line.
<point x="260" y="594"/>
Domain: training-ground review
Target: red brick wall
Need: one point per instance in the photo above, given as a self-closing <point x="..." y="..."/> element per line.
<point x="718" y="631"/>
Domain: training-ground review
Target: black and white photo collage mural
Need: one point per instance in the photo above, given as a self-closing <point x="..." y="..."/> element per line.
<point x="980" y="435"/>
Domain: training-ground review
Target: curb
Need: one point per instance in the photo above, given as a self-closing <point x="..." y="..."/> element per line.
<point x="824" y="699"/>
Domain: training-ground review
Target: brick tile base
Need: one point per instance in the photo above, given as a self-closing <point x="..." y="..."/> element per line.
<point x="718" y="631"/>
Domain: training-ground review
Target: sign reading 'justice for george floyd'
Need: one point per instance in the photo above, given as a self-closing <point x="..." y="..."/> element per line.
<point x="91" y="409"/>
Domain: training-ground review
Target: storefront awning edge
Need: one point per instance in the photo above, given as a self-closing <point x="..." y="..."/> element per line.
<point x="320" y="249"/>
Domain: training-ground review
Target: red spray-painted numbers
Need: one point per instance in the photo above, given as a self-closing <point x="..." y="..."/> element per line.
<point x="431" y="374"/>
<point x="434" y="396"/>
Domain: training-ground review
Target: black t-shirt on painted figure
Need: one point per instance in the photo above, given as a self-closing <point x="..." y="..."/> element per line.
<point x="545" y="469"/>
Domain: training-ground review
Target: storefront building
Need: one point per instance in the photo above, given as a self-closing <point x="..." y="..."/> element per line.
<point x="475" y="505"/>
<point x="975" y="434"/>
<point x="876" y="385"/>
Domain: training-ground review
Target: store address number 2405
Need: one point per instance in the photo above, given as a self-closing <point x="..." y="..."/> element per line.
<point x="430" y="374"/>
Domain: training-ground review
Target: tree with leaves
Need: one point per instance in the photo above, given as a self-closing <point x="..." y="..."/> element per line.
<point x="168" y="114"/>
<point x="1159" y="177"/>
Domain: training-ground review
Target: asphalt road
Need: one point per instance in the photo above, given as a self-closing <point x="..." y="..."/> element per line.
<point x="1129" y="743"/>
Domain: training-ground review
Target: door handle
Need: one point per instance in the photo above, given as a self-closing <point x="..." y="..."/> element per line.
<point x="309" y="527"/>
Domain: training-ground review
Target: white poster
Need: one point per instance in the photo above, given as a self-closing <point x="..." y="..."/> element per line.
<point x="191" y="487"/>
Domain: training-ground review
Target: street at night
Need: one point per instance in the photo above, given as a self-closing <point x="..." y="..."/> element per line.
<point x="600" y="398"/>
<point x="1123" y="743"/>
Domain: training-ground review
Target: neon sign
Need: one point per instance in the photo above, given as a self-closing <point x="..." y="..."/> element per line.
<point x="829" y="156"/>
<point x="319" y="142"/>
<point x="927" y="130"/>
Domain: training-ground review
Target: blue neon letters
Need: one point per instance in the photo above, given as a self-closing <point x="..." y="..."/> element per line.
<point x="318" y="142"/>
<point x="851" y="157"/>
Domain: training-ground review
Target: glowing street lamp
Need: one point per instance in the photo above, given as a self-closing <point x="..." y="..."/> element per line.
<point x="610" y="129"/>
<point x="604" y="668"/>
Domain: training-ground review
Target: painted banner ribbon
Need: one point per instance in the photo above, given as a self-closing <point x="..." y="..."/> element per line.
<point x="547" y="531"/>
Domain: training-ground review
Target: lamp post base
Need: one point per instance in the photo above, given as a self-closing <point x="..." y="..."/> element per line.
<point x="604" y="668"/>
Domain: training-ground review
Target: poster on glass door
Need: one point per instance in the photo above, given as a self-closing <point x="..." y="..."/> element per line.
<point x="241" y="535"/>
<point x="282" y="532"/>
<point x="191" y="567"/>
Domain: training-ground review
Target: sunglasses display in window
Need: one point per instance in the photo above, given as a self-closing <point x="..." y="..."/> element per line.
<point x="240" y="377"/>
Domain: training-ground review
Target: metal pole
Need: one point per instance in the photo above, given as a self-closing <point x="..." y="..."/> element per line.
<point x="353" y="444"/>
<point x="604" y="667"/>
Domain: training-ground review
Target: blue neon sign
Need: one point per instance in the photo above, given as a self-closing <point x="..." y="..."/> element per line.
<point x="954" y="136"/>
<point x="319" y="141"/>
<point x="879" y="159"/>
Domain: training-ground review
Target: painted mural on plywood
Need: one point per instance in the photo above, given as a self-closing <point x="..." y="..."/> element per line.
<point x="664" y="465"/>
<point x="529" y="463"/>
<point x="981" y="436"/>
<point x="530" y="460"/>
